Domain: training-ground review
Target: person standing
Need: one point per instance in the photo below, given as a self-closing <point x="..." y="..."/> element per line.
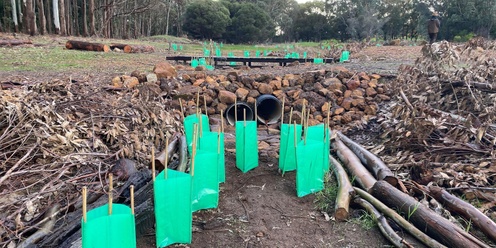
<point x="433" y="27"/>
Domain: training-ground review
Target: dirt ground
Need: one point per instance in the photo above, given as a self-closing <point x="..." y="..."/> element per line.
<point x="260" y="208"/>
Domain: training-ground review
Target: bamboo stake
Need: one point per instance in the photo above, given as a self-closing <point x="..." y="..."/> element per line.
<point x="197" y="102"/>
<point x="306" y="126"/>
<point x="303" y="111"/>
<point x="166" y="157"/>
<point x="282" y="112"/>
<point x="290" y="115"/>
<point x="201" y="126"/>
<point x="182" y="109"/>
<point x="194" y="150"/>
<point x="328" y="113"/>
<point x="235" y="111"/>
<point x="244" y="117"/>
<point x="295" y="144"/>
<point x="221" y="120"/>
<point x="218" y="141"/>
<point x="153" y="164"/>
<point x="256" y="116"/>
<point x="84" y="203"/>
<point x="111" y="188"/>
<point x="205" y="103"/>
<point x="131" y="188"/>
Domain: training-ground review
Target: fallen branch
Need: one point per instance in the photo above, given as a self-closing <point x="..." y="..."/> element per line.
<point x="371" y="161"/>
<point x="86" y="46"/>
<point x="183" y="154"/>
<point x="7" y="174"/>
<point x="14" y="42"/>
<point x="384" y="226"/>
<point x="485" y="87"/>
<point x="454" y="204"/>
<point x="49" y="223"/>
<point x="424" y="218"/>
<point x="345" y="191"/>
<point x="415" y="232"/>
<point x="359" y="172"/>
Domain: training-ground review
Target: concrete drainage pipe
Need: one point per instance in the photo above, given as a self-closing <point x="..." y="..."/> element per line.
<point x="269" y="109"/>
<point x="240" y="106"/>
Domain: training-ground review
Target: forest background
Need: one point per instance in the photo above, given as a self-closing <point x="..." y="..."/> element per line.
<point x="250" y="21"/>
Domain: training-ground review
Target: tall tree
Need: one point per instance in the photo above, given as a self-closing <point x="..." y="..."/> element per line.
<point x="91" y="16"/>
<point x="56" y="16"/>
<point x="85" y="18"/>
<point x="250" y="24"/>
<point x="41" y="15"/>
<point x="14" y="15"/>
<point x="63" y="26"/>
<point x="30" y="17"/>
<point x="206" y="19"/>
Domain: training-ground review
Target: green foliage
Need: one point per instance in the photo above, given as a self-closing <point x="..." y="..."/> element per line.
<point x="325" y="199"/>
<point x="249" y="24"/>
<point x="463" y="37"/>
<point x="206" y="19"/>
<point x="366" y="221"/>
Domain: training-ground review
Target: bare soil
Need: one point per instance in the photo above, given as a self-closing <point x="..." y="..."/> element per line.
<point x="260" y="208"/>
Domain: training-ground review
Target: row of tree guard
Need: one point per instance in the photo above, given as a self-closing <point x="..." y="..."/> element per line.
<point x="177" y="195"/>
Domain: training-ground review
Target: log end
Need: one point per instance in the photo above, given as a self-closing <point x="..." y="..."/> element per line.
<point x="128" y="49"/>
<point x="68" y="45"/>
<point x="391" y="180"/>
<point x="341" y="214"/>
<point x="106" y="48"/>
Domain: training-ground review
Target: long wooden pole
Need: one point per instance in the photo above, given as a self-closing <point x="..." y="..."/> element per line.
<point x="131" y="189"/>
<point x="235" y="111"/>
<point x="195" y="134"/>
<point x="166" y="157"/>
<point x="182" y="109"/>
<point x="282" y="111"/>
<point x="111" y="188"/>
<point x="153" y="163"/>
<point x="85" y="189"/>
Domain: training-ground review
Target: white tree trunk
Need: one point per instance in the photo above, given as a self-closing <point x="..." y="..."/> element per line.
<point x="14" y="14"/>
<point x="56" y="20"/>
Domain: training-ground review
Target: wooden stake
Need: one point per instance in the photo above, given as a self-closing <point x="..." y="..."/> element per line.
<point x="244" y="117"/>
<point x="84" y="203"/>
<point x="290" y="115"/>
<point x="328" y="113"/>
<point x="166" y="157"/>
<point x="153" y="164"/>
<point x="205" y="103"/>
<point x="111" y="188"/>
<point x="256" y="115"/>
<point x="131" y="189"/>
<point x="282" y="112"/>
<point x="182" y="109"/>
<point x="295" y="140"/>
<point x="197" y="102"/>
<point x="306" y="126"/>
<point x="194" y="150"/>
<point x="201" y="126"/>
<point x="235" y="111"/>
<point x="222" y="120"/>
<point x="303" y="111"/>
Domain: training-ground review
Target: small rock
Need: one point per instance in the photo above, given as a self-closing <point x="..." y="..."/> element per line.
<point x="200" y="68"/>
<point x="242" y="93"/>
<point x="131" y="82"/>
<point x="265" y="89"/>
<point x="116" y="82"/>
<point x="370" y="92"/>
<point x="151" y="78"/>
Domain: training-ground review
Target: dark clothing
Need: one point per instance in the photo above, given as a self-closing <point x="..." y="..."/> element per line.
<point x="433" y="28"/>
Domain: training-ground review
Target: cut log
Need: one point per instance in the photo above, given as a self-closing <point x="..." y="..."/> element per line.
<point x="360" y="173"/>
<point x="183" y="154"/>
<point x="424" y="218"/>
<point x="371" y="161"/>
<point x="86" y="46"/>
<point x="133" y="48"/>
<point x="384" y="226"/>
<point x="455" y="204"/>
<point x="14" y="42"/>
<point x="345" y="191"/>
<point x="415" y="232"/>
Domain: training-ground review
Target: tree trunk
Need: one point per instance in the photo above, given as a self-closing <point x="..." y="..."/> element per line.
<point x="68" y="18"/>
<point x="24" y="17"/>
<point x="424" y="218"/>
<point x="92" y="17"/>
<point x="30" y="17"/>
<point x="454" y="204"/>
<point x="63" y="25"/>
<point x="85" y="18"/>
<point x="133" y="48"/>
<point x="169" y="3"/>
<point x="345" y="191"/>
<point x="75" y="18"/>
<point x="14" y="15"/>
<point x="9" y="43"/>
<point x="56" y="16"/>
<point x="41" y="14"/>
<point x="86" y="46"/>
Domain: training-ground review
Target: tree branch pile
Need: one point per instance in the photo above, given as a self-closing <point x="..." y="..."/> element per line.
<point x="443" y="125"/>
<point x="420" y="211"/>
<point x="59" y="136"/>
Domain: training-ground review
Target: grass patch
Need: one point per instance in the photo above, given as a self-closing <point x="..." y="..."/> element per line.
<point x="326" y="199"/>
<point x="366" y="221"/>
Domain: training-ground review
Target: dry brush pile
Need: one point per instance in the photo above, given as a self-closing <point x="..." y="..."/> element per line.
<point x="59" y="136"/>
<point x="441" y="130"/>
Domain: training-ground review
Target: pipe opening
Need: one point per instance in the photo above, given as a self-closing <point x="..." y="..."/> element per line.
<point x="269" y="109"/>
<point x="241" y="106"/>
